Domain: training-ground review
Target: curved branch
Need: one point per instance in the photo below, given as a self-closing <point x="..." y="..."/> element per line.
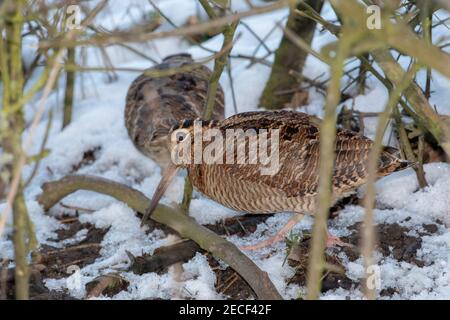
<point x="220" y="248"/>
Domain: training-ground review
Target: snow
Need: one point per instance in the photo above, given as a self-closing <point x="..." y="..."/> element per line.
<point x="98" y="125"/>
<point x="201" y="210"/>
<point x="428" y="202"/>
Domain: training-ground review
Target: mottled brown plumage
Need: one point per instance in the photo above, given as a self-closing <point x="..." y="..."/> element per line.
<point x="154" y="105"/>
<point x="293" y="188"/>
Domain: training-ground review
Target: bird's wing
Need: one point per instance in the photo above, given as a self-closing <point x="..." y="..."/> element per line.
<point x="298" y="173"/>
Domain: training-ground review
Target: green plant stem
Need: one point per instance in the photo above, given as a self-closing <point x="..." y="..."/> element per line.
<point x="12" y="141"/>
<point x="187" y="195"/>
<point x="327" y="144"/>
<point x="219" y="65"/>
<point x="426" y="15"/>
<point x="408" y="151"/>
<point x="69" y="92"/>
<point x="368" y="231"/>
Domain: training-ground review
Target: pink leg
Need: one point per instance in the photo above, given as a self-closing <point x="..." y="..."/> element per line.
<point x="333" y="241"/>
<point x="279" y="236"/>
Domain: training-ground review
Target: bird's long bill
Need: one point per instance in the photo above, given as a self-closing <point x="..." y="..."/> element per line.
<point x="166" y="179"/>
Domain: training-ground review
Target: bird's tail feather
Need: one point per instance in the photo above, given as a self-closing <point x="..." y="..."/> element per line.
<point x="390" y="161"/>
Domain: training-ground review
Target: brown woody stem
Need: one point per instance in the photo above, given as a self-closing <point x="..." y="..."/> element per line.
<point x="220" y="248"/>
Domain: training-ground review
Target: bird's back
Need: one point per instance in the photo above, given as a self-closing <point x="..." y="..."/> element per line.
<point x="155" y="104"/>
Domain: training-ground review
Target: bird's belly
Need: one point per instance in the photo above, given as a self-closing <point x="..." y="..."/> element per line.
<point x="245" y="196"/>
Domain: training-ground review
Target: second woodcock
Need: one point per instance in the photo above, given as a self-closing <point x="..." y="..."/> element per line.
<point x="155" y="103"/>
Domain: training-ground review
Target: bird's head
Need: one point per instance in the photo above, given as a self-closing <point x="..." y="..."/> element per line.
<point x="182" y="150"/>
<point x="186" y="135"/>
<point x="181" y="138"/>
<point x="178" y="58"/>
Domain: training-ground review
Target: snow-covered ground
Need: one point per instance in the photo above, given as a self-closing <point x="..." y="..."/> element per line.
<point x="98" y="124"/>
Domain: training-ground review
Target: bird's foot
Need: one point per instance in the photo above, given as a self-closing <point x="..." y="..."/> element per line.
<point x="278" y="237"/>
<point x="266" y="243"/>
<point x="333" y="241"/>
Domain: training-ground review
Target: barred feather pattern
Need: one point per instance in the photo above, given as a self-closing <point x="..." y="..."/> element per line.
<point x="293" y="188"/>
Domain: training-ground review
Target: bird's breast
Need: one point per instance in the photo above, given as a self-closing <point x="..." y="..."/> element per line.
<point x="231" y="191"/>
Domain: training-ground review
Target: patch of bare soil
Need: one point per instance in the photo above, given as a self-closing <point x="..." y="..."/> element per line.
<point x="38" y="290"/>
<point x="56" y="263"/>
<point x="58" y="260"/>
<point x="51" y="262"/>
<point x="393" y="240"/>
<point x="332" y="279"/>
<point x="230" y="283"/>
<point x="88" y="158"/>
<point x="240" y="226"/>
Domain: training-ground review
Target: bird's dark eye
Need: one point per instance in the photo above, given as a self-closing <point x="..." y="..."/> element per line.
<point x="180" y="136"/>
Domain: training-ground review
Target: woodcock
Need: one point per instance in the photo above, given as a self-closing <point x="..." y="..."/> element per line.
<point x="293" y="188"/>
<point x="155" y="104"/>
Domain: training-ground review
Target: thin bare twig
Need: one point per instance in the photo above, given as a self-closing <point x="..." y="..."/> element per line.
<point x="133" y="36"/>
<point x="53" y="76"/>
<point x="159" y="73"/>
<point x="41" y="150"/>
